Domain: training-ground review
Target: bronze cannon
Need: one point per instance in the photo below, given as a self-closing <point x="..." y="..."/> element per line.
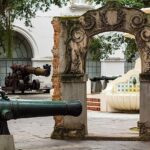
<point x="20" y="78"/>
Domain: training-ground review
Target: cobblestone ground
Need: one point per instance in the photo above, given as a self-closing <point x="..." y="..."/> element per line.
<point x="34" y="133"/>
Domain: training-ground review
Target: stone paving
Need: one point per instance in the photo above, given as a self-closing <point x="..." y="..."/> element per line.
<point x="34" y="133"/>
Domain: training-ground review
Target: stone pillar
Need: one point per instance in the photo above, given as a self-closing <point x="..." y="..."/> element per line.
<point x="7" y="142"/>
<point x="144" y="123"/>
<point x="68" y="85"/>
<point x="73" y="87"/>
<point x="56" y="72"/>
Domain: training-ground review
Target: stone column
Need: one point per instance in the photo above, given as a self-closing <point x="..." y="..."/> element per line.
<point x="73" y="87"/>
<point x="7" y="142"/>
<point x="68" y="82"/>
<point x="144" y="123"/>
<point x="56" y="72"/>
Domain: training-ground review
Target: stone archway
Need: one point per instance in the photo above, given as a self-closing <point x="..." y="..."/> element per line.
<point x="71" y="36"/>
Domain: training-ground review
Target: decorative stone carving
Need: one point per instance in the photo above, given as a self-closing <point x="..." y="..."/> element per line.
<point x="146" y="62"/>
<point x="137" y="21"/>
<point x="112" y="17"/>
<point x="76" y="50"/>
<point x="77" y="35"/>
<point x="88" y="21"/>
<point x="145" y="34"/>
<point x="143" y="42"/>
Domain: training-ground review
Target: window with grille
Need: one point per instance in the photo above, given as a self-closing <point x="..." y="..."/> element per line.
<point x="93" y="68"/>
<point x="21" y="54"/>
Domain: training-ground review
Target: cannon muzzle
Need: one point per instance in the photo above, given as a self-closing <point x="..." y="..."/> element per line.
<point x="14" y="109"/>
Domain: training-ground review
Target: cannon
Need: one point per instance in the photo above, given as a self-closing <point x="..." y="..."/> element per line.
<point x="97" y="84"/>
<point x="103" y="78"/>
<point x="15" y="109"/>
<point x="20" y="78"/>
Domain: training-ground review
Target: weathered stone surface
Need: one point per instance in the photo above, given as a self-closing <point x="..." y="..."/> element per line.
<point x="6" y="142"/>
<point x="71" y="38"/>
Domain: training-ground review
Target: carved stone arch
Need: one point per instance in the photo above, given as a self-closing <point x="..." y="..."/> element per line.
<point x="71" y="36"/>
<point x="111" y="17"/>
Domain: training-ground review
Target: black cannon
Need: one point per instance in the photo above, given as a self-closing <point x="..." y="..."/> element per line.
<point x="97" y="85"/>
<point x="20" y="78"/>
<point x="15" y="109"/>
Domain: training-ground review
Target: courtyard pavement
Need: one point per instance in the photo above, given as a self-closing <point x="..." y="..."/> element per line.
<point x="106" y="131"/>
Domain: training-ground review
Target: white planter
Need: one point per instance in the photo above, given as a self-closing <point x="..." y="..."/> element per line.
<point x="123" y="101"/>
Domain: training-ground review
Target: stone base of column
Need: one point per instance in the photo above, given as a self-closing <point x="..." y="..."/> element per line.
<point x="144" y="132"/>
<point x="64" y="133"/>
<point x="6" y="142"/>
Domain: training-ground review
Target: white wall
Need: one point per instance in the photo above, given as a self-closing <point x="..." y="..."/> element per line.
<point x="42" y="30"/>
<point x="40" y="36"/>
<point x="112" y="67"/>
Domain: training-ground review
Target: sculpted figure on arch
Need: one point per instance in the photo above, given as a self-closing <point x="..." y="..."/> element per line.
<point x="76" y="51"/>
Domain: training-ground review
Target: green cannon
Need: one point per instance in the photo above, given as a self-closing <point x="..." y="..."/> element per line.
<point x="15" y="109"/>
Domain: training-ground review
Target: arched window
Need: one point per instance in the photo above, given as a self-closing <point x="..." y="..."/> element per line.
<point x="21" y="54"/>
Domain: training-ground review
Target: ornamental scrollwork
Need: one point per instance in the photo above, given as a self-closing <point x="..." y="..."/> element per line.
<point x="138" y="21"/>
<point x="112" y="17"/>
<point x="143" y="41"/>
<point x="87" y="21"/>
<point x="145" y="34"/>
<point x="143" y="38"/>
<point x="77" y="34"/>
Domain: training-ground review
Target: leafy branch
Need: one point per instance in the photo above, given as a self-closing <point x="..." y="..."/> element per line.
<point x="129" y="3"/>
<point x="101" y="47"/>
<point x="20" y="9"/>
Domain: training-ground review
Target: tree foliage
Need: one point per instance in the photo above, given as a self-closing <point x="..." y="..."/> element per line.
<point x="101" y="46"/>
<point x="129" y="3"/>
<point x="20" y="9"/>
<point x="131" y="49"/>
<point x="25" y="9"/>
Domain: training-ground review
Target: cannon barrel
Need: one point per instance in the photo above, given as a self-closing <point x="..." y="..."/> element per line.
<point x="15" y="109"/>
<point x="103" y="78"/>
<point x="27" y="69"/>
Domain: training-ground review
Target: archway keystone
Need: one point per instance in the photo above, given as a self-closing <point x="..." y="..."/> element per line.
<point x="71" y="37"/>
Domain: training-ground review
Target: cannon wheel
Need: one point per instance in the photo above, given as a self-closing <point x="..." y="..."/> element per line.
<point x="21" y="86"/>
<point x="36" y="84"/>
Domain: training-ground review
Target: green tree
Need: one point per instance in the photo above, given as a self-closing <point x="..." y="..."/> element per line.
<point x="101" y="46"/>
<point x="131" y="49"/>
<point x="20" y="9"/>
<point x="130" y="3"/>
